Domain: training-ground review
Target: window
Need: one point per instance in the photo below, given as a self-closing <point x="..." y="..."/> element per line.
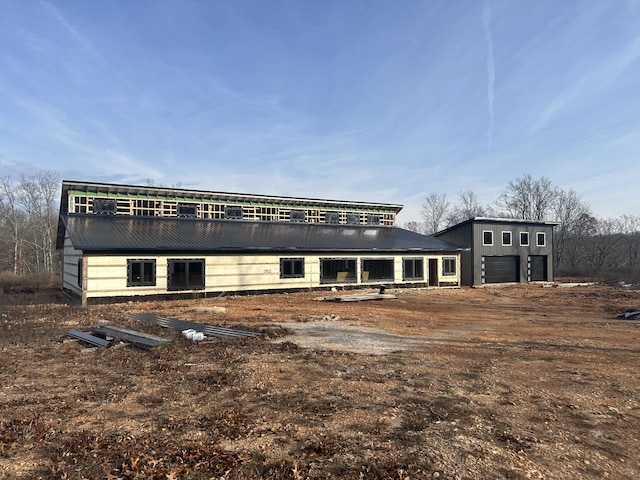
<point x="487" y="238"/>
<point x="80" y="273"/>
<point x="332" y="217"/>
<point x="506" y="239"/>
<point x="297" y="216"/>
<point x="291" y="267"/>
<point x="448" y="266"/>
<point x="185" y="274"/>
<point x="524" y="239"/>
<point x="187" y="210"/>
<point x="353" y="219"/>
<point x="373" y="219"/>
<point x="337" y="270"/>
<point x="141" y="273"/>
<point x="412" y="269"/>
<point x="102" y="206"/>
<point x="376" y="269"/>
<point x="541" y="239"/>
<point x="233" y="213"/>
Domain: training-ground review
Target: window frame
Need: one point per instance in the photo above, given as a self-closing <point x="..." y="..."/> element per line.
<point x="484" y="242"/>
<point x="353" y="219"/>
<point x="188" y="210"/>
<point x="510" y="233"/>
<point x="332" y="218"/>
<point x="413" y="261"/>
<point x="142" y="282"/>
<point x="376" y="265"/>
<point x="234" y="212"/>
<point x="373" y="219"/>
<point x="446" y="272"/>
<point x="293" y="262"/>
<point x="349" y="266"/>
<point x="524" y="244"/>
<point x="297" y="216"/>
<point x="186" y="285"/>
<point x="544" y="239"/>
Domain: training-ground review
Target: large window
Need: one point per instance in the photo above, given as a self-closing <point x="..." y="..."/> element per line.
<point x="291" y="267"/>
<point x="337" y="270"/>
<point x="332" y="217"/>
<point x="297" y="216"/>
<point x="373" y="219"/>
<point x="412" y="269"/>
<point x="541" y="239"/>
<point x="377" y="269"/>
<point x="187" y="210"/>
<point x="233" y="212"/>
<point x="103" y="206"/>
<point x="448" y="266"/>
<point x="186" y="274"/>
<point x="353" y="219"/>
<point x="487" y="238"/>
<point x="524" y="239"/>
<point x="141" y="273"/>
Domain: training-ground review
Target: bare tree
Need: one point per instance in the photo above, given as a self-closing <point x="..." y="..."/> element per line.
<point x="434" y="211"/>
<point x="570" y="211"/>
<point x="12" y="217"/>
<point x="413" y="226"/>
<point x="630" y="228"/>
<point x="528" y="198"/>
<point x="468" y="206"/>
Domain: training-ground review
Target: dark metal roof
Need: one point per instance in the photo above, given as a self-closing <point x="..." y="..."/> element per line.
<point x="153" y="234"/>
<point x="496" y="220"/>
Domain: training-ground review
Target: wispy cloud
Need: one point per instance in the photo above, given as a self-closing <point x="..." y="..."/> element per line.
<point x="491" y="70"/>
<point x="77" y="36"/>
<point x="599" y="77"/>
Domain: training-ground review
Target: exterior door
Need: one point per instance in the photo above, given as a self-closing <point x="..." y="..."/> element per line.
<point x="537" y="268"/>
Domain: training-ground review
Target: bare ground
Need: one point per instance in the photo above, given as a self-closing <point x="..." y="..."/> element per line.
<point x="516" y="383"/>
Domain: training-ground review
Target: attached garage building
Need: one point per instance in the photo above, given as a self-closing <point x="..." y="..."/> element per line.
<point x="503" y="250"/>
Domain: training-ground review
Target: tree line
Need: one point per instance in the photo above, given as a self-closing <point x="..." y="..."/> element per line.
<point x="584" y="245"/>
<point x="28" y="224"/>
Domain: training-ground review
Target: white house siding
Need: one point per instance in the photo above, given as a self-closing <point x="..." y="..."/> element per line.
<point x="106" y="275"/>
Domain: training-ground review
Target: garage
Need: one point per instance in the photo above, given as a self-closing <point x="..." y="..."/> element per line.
<point x="537" y="268"/>
<point x="501" y="269"/>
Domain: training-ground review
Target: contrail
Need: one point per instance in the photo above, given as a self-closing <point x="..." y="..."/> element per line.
<point x="491" y="70"/>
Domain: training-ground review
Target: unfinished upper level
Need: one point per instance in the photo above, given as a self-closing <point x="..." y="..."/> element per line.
<point x="149" y="201"/>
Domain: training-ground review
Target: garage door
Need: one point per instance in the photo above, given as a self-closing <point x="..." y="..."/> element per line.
<point x="501" y="269"/>
<point x="537" y="268"/>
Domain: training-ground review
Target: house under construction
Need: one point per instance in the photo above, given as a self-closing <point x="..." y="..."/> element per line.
<point x="125" y="241"/>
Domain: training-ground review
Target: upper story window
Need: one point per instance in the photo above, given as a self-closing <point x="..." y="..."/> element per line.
<point x="332" y="217"/>
<point x="541" y="239"/>
<point x="506" y="239"/>
<point x="233" y="212"/>
<point x="103" y="206"/>
<point x="373" y="219"/>
<point x="487" y="238"/>
<point x="297" y="216"/>
<point x="187" y="210"/>
<point x="353" y="219"/>
<point x="524" y="239"/>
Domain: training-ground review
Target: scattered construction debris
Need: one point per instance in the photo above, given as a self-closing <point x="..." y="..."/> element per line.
<point x="138" y="339"/>
<point x="102" y="337"/>
<point x="630" y="314"/>
<point x="360" y="297"/>
<point x="182" y="325"/>
<point x="88" y="338"/>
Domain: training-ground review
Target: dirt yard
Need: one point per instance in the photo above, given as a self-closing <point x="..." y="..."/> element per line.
<point x="517" y="383"/>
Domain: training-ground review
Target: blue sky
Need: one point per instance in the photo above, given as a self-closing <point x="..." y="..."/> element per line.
<point x="367" y="100"/>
